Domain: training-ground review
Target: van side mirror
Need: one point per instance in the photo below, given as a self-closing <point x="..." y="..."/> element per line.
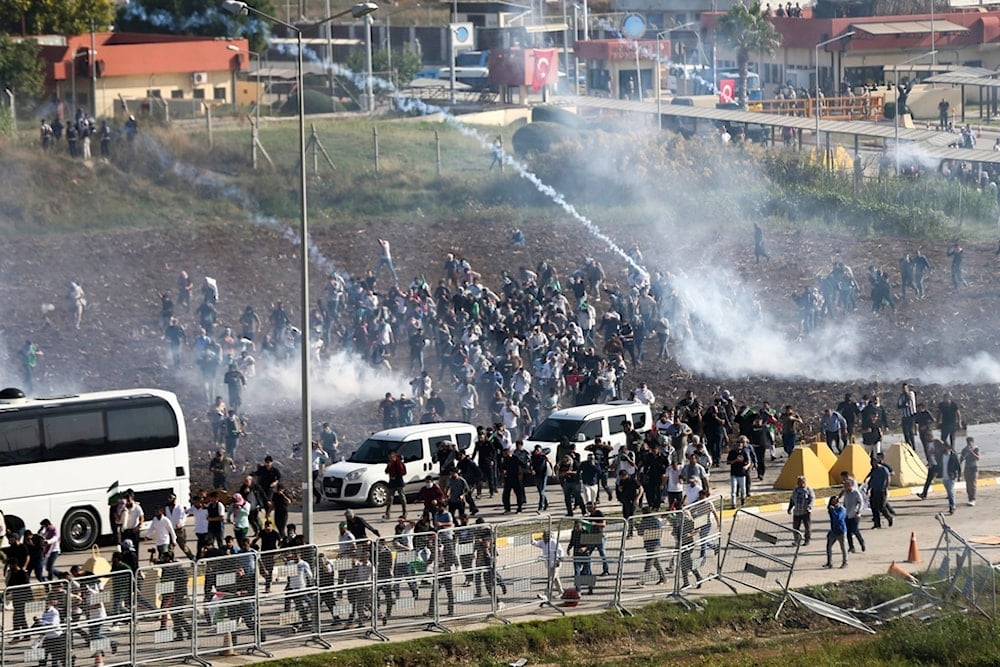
<point x="580" y="437"/>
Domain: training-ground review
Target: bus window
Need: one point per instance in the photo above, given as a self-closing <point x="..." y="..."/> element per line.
<point x="74" y="435"/>
<point x="147" y="427"/>
<point x="20" y="442"/>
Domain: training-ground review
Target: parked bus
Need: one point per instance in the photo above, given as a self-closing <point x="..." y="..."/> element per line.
<point x="62" y="458"/>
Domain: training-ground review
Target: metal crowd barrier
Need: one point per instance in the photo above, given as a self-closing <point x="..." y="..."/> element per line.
<point x="759" y="554"/>
<point x="958" y="569"/>
<point x="594" y="552"/>
<point x="525" y="577"/>
<point x="346" y="596"/>
<point x="249" y="602"/>
<point x="288" y="605"/>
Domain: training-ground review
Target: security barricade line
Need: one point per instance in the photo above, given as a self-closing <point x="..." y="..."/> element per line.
<point x="593" y="550"/>
<point x="758" y="552"/>
<point x="650" y="558"/>
<point x="407" y="557"/>
<point x="288" y="608"/>
<point x="528" y="567"/>
<point x="345" y="576"/>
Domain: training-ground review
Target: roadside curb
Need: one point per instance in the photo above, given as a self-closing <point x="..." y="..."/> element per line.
<point x="901" y="492"/>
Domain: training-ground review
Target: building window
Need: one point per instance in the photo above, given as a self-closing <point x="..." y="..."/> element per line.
<point x="177" y="94"/>
<point x="219" y="93"/>
<point x="155" y="92"/>
<point x="199" y="93"/>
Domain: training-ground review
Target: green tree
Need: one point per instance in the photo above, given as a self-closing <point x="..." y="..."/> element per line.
<point x="54" y="17"/>
<point x="195" y="17"/>
<point x="21" y="67"/>
<point x="748" y="32"/>
<point x="405" y="65"/>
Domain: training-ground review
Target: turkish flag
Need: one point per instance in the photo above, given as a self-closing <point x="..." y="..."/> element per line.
<point x="545" y="60"/>
<point x="727" y="91"/>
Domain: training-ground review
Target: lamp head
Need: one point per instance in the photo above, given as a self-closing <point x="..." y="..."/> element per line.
<point x="236" y="7"/>
<point x="361" y="9"/>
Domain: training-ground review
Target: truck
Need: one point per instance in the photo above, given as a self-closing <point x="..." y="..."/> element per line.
<point x="471" y="68"/>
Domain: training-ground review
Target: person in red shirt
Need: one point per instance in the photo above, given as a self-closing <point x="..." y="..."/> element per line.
<point x="396" y="470"/>
<point x="430" y="494"/>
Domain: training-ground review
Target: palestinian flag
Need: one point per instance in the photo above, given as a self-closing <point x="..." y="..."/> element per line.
<point x="114" y="495"/>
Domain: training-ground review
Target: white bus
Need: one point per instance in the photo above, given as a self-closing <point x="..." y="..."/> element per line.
<point x="61" y="457"/>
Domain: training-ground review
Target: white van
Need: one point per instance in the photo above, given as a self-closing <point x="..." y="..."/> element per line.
<point x="361" y="479"/>
<point x="583" y="423"/>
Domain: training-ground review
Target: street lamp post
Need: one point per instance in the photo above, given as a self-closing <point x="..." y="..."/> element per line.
<point x="816" y="65"/>
<point x="659" y="86"/>
<point x="895" y="115"/>
<point x="240" y="8"/>
<point x="369" y="94"/>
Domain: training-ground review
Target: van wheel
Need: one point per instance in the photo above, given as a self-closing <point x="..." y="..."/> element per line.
<point x="80" y="529"/>
<point x="379" y="495"/>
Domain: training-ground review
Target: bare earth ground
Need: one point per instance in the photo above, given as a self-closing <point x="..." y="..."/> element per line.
<point x="120" y="346"/>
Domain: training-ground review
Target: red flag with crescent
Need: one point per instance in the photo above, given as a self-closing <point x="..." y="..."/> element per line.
<point x="544" y="63"/>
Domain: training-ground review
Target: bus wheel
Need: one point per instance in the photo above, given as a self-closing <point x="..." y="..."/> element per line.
<point x="379" y="495"/>
<point x="79" y="529"/>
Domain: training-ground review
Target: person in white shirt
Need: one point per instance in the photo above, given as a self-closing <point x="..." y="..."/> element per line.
<point x="644" y="395"/>
<point x="161" y="532"/>
<point x="468" y="397"/>
<point x="132" y="519"/>
<point x="52" y="641"/>
<point x="178" y="515"/>
<point x="200" y="514"/>
<point x="509" y="416"/>
<point x="552" y="555"/>
<point x="385" y="260"/>
<point x="301" y="579"/>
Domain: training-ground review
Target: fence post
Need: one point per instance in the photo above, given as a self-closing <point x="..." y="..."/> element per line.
<point x="437" y="152"/>
<point x="375" y="148"/>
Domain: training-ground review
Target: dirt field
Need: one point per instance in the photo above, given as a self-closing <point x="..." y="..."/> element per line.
<point x="120" y="343"/>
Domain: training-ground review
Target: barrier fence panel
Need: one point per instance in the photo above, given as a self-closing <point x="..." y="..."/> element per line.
<point x="226" y="604"/>
<point x="472" y="572"/>
<point x="528" y="563"/>
<point x="31" y="640"/>
<point x="760" y="554"/>
<point x="698" y="531"/>
<point x="164" y="620"/>
<point x="593" y="548"/>
<point x="957" y="568"/>
<point x="97" y="628"/>
<point x="407" y="557"/>
<point x="288" y="605"/>
<point x="345" y="575"/>
<point x="650" y="557"/>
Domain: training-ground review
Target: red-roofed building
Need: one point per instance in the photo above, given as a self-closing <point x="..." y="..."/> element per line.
<point x="134" y="66"/>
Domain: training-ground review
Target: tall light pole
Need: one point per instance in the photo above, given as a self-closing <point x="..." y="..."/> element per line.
<point x="240" y="8"/>
<point x="895" y="115"/>
<point x="369" y="94"/>
<point x="816" y="65"/>
<point x="659" y="86"/>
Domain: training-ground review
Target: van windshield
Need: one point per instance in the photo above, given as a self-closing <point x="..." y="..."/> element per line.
<point x="551" y="430"/>
<point x="374" y="450"/>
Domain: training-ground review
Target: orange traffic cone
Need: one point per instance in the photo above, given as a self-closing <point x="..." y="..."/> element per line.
<point x="914" y="555"/>
<point x="900" y="572"/>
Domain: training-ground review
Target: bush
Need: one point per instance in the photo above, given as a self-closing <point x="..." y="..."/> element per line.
<point x="315" y="102"/>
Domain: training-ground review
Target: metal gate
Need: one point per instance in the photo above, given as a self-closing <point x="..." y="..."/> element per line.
<point x="345" y="576"/>
<point x="593" y="549"/>
<point x="225" y="603"/>
<point x="958" y="569"/>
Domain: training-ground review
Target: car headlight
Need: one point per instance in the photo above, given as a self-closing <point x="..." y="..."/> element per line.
<point x="355" y="475"/>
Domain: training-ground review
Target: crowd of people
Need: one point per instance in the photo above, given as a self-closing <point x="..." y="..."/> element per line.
<point x="80" y="132"/>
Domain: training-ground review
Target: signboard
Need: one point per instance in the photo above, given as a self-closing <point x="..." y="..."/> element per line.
<point x="463" y="36"/>
<point x="727" y="91"/>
